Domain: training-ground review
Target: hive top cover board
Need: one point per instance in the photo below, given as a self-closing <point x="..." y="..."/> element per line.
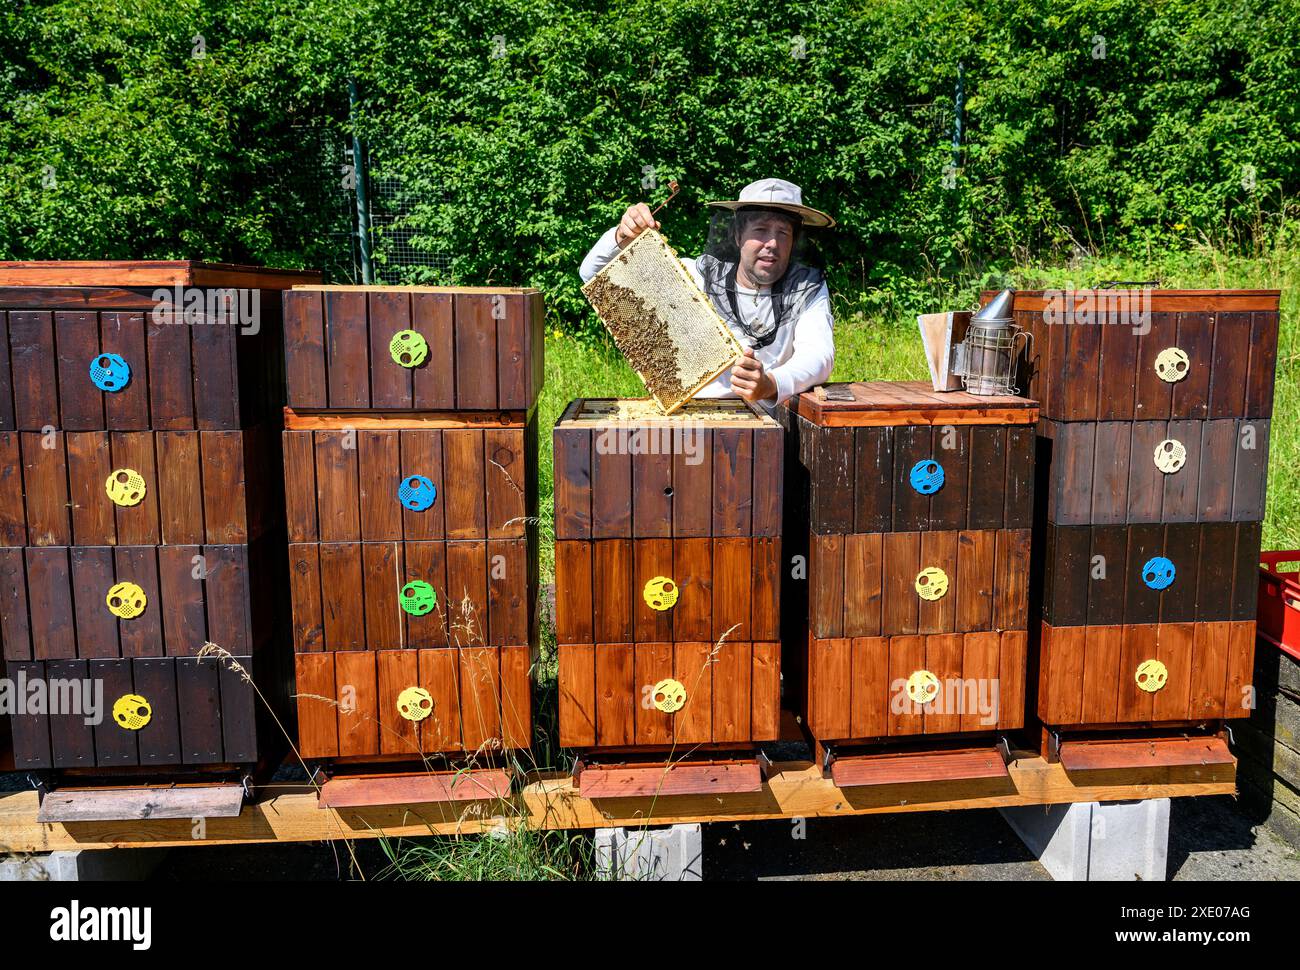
<point x="661" y="321"/>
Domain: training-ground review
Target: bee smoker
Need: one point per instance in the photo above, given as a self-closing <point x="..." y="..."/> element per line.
<point x="986" y="357"/>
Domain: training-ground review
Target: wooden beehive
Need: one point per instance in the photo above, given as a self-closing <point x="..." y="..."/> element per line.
<point x="164" y="376"/>
<point x="1153" y="451"/>
<point x="355" y="546"/>
<point x="661" y="320"/>
<point x="898" y="492"/>
<point x="423" y="474"/>
<point x="693" y="499"/>
<point x="481" y="348"/>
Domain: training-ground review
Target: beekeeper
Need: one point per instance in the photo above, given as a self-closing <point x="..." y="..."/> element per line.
<point x="757" y="272"/>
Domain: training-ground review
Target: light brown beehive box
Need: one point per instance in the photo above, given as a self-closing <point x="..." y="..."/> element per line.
<point x="661" y="321"/>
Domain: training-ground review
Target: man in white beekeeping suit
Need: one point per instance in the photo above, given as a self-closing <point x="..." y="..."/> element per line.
<point x="775" y="303"/>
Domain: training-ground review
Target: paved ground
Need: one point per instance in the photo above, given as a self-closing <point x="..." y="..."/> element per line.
<point x="1210" y="839"/>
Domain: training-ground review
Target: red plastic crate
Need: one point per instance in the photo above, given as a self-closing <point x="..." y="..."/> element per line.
<point x="1279" y="599"/>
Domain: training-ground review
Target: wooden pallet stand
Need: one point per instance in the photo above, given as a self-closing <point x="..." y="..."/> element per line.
<point x="791" y="789"/>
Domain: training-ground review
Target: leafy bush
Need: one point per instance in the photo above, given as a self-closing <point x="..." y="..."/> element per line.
<point x="523" y="127"/>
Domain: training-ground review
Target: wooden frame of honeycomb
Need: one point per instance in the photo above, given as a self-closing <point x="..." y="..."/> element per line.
<point x="661" y="321"/>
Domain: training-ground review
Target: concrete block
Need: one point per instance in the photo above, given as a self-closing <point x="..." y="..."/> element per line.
<point x="672" y="853"/>
<point x="1097" y="841"/>
<point x="81" y="865"/>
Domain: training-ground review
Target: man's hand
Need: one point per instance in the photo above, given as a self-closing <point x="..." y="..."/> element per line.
<point x="635" y="220"/>
<point x="750" y="381"/>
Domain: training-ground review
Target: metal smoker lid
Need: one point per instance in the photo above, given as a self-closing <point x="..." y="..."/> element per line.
<point x="997" y="312"/>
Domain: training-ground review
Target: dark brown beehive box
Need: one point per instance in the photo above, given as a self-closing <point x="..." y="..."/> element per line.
<point x="56" y="624"/>
<point x="485" y="348"/>
<point x="864" y="505"/>
<point x="191" y="368"/>
<point x="694" y="498"/>
<point x="1130" y="379"/>
<point x="198" y="420"/>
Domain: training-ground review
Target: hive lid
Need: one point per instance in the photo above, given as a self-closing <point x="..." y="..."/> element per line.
<point x="1160" y="301"/>
<point x="151" y="272"/>
<point x="644" y="412"/>
<point x="877" y="403"/>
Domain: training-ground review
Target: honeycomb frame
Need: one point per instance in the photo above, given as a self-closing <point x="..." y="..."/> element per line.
<point x="661" y="321"/>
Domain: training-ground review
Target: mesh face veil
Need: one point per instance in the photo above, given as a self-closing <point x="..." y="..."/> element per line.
<point x="745" y="311"/>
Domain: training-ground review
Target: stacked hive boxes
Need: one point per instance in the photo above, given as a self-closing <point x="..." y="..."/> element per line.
<point x="916" y="510"/>
<point x="1154" y="454"/>
<point x="410" y="469"/>
<point x="140" y="508"/>
<point x="667" y="574"/>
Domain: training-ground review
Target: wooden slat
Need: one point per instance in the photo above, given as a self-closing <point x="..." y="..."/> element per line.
<point x="613" y="571"/>
<point x="732" y="584"/>
<point x="616" y="695"/>
<point x="198" y="696"/>
<point x="138" y="804"/>
<point x="765" y="692"/>
<point x="440" y="676"/>
<point x="337" y="498"/>
<point x="388" y="311"/>
<point x="379" y="469"/>
<point x="930" y="766"/>
<point x="1083" y="756"/>
<point x="421" y="454"/>
<point x="693" y="669"/>
<point x="479" y="784"/>
<point x="577" y="694"/>
<point x="160" y="740"/>
<point x="347" y="354"/>
<point x="464" y="472"/>
<point x="902" y="558"/>
<point x="317" y="718"/>
<point x="572" y="476"/>
<point x="693" y="487"/>
<point x="396" y="670"/>
<point x="476" y="349"/>
<point x="516" y="697"/>
<point x="435" y="380"/>
<point x="189" y="470"/>
<point x="45" y="477"/>
<point x="81" y="404"/>
<point x="357" y="692"/>
<point x="652" y="662"/>
<point x="124" y="334"/>
<point x="679" y="779"/>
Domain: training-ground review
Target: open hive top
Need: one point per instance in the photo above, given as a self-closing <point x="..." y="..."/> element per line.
<point x="644" y="412"/>
<point x="661" y="321"/>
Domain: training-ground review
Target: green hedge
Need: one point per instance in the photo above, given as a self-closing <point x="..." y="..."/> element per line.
<point x="525" y="126"/>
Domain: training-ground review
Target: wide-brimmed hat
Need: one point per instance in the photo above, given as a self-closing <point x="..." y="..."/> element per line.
<point x="778" y="194"/>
